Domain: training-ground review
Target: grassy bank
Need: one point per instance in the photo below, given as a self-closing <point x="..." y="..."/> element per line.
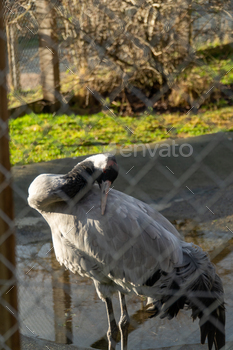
<point x="36" y="138"/>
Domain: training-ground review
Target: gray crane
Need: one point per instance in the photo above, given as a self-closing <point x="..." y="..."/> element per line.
<point x="126" y="246"/>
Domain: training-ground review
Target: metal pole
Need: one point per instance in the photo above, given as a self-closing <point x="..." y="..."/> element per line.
<point x="9" y="330"/>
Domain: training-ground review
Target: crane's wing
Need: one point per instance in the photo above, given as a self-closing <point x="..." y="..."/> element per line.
<point x="126" y="244"/>
<point x="142" y="244"/>
<point x="151" y="212"/>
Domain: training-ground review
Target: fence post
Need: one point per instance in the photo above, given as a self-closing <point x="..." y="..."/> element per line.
<point x="61" y="304"/>
<point x="13" y="55"/>
<point x="9" y="331"/>
<point x="48" y="52"/>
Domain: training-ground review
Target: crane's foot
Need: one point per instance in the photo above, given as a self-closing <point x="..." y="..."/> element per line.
<point x="153" y="307"/>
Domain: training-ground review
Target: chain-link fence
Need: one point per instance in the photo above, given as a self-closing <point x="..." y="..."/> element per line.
<point x="123" y="59"/>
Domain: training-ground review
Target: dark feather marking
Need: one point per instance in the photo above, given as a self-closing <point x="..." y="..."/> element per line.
<point x="79" y="177"/>
<point x="153" y="279"/>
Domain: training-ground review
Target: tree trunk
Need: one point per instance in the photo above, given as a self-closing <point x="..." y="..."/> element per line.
<point x="48" y="52"/>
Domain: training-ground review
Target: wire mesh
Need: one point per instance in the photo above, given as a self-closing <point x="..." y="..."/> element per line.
<point x="108" y="53"/>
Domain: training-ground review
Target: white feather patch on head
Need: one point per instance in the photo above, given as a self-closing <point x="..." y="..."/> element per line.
<point x="99" y="160"/>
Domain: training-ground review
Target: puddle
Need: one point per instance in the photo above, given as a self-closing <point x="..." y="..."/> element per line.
<point x="57" y="305"/>
<point x="209" y="241"/>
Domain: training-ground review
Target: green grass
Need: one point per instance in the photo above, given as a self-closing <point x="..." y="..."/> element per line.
<point x="36" y="138"/>
<point x="27" y="96"/>
<point x="215" y="68"/>
<point x="196" y="80"/>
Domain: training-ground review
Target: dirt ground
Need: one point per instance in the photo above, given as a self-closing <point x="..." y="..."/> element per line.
<point x="36" y="344"/>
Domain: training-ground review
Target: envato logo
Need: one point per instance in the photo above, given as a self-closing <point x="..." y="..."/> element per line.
<point x="163" y="150"/>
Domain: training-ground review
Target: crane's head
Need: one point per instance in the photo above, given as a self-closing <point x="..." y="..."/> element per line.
<point x="107" y="166"/>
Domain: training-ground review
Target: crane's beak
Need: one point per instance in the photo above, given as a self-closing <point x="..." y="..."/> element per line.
<point x="105" y="187"/>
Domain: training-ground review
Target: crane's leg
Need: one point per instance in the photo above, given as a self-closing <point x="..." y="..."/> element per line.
<point x="124" y="322"/>
<point x="113" y="329"/>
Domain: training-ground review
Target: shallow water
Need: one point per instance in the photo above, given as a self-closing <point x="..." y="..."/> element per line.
<point x="57" y="305"/>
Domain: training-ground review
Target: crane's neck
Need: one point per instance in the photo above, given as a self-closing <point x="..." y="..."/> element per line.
<point x="80" y="178"/>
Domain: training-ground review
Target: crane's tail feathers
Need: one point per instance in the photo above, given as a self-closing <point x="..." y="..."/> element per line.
<point x="210" y="310"/>
<point x="214" y="329"/>
<point x="207" y="303"/>
<point x="195" y="285"/>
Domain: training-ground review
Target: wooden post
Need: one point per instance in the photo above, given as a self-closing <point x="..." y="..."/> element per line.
<point x="61" y="304"/>
<point x="13" y="55"/>
<point x="48" y="52"/>
<point x="9" y="330"/>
